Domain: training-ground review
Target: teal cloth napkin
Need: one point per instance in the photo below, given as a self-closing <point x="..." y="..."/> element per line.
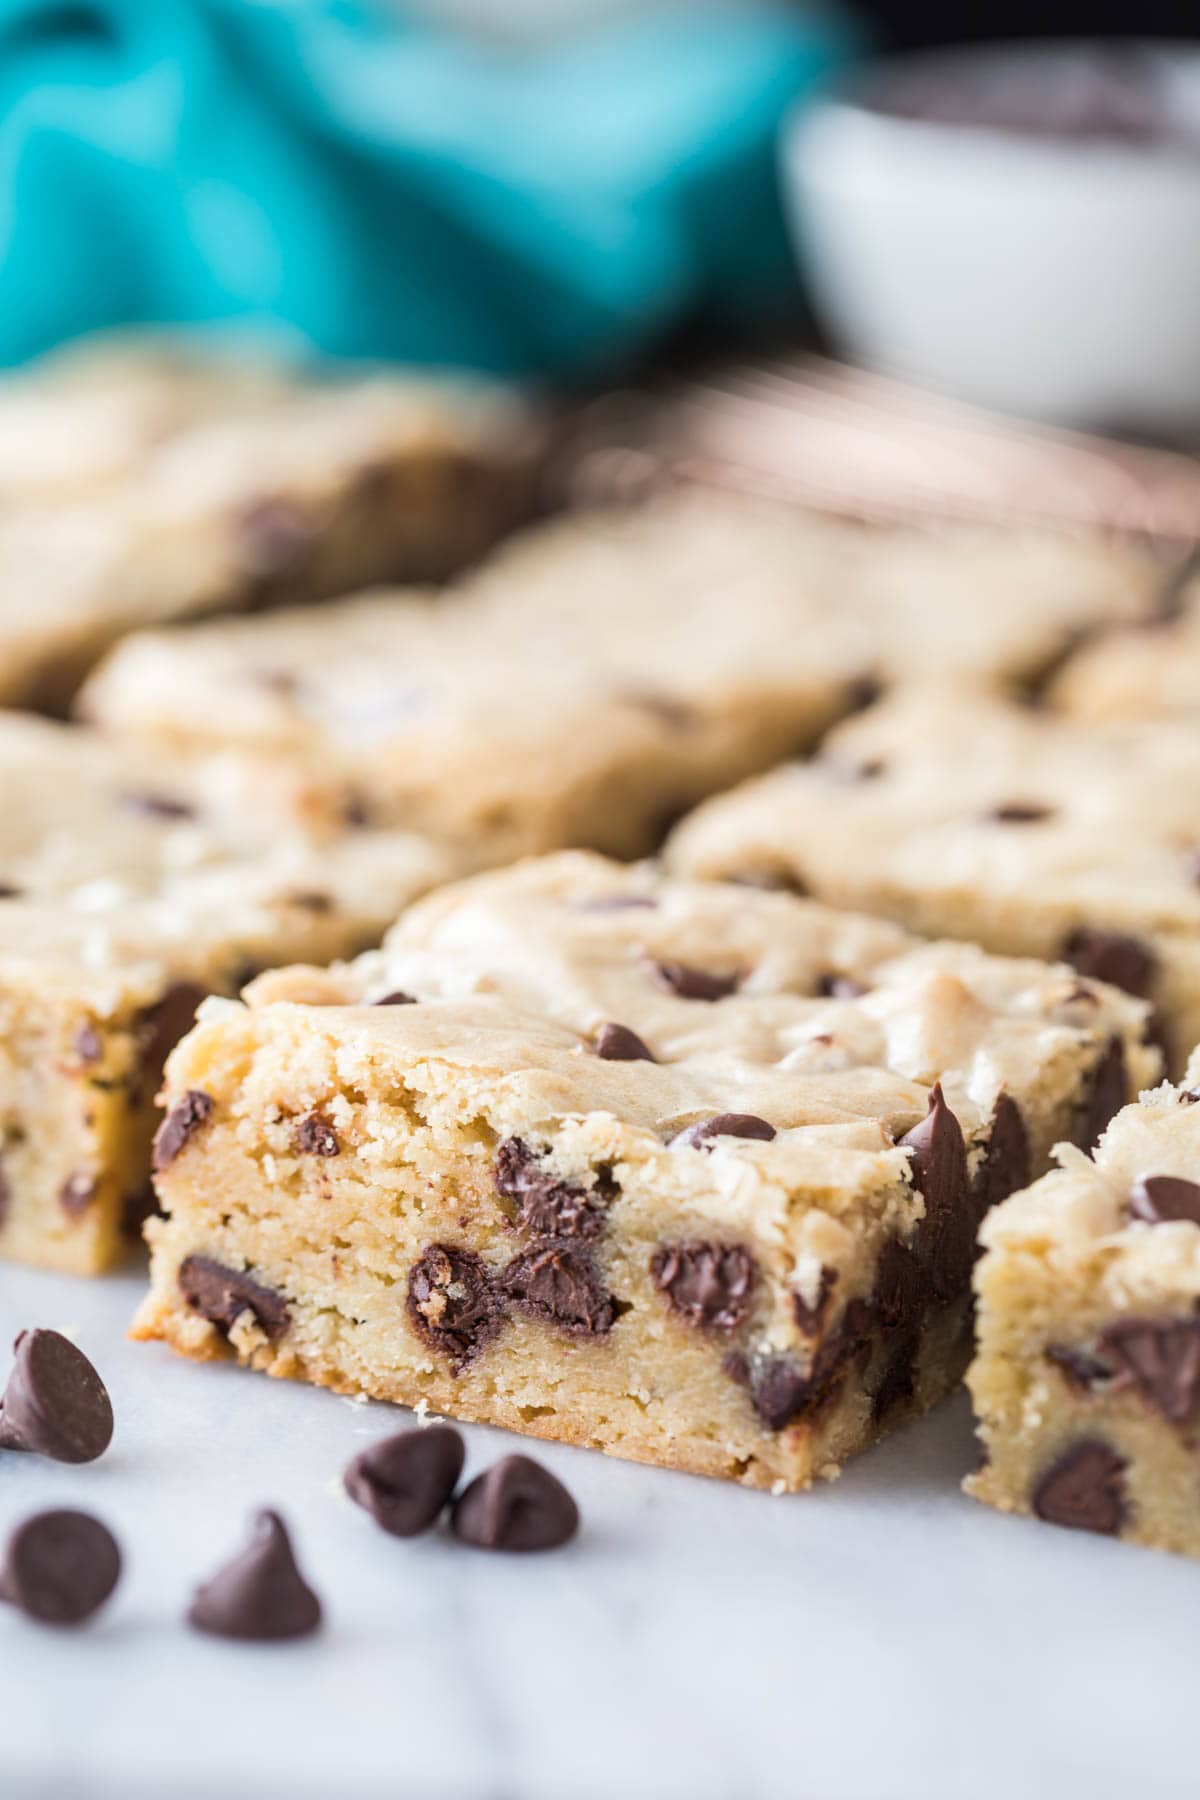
<point x="372" y="187"/>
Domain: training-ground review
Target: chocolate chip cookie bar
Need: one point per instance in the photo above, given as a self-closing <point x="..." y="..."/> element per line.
<point x="1086" y="1382"/>
<point x="315" y="490"/>
<point x="604" y="672"/>
<point x="125" y="897"/>
<point x="678" y="1171"/>
<point x="962" y="816"/>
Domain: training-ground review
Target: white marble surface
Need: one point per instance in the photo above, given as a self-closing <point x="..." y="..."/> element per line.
<point x="882" y="1639"/>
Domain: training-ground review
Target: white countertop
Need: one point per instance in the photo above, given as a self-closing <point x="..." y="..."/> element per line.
<point x="880" y="1639"/>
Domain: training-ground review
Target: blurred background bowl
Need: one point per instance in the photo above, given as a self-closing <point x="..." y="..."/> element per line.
<point x="1018" y="226"/>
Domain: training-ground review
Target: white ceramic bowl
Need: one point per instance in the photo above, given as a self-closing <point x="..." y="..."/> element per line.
<point x="1052" y="276"/>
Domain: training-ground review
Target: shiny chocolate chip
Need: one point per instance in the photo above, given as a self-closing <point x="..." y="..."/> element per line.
<point x="710" y="1285"/>
<point x="55" y="1404"/>
<point x="559" y="1283"/>
<point x="515" y="1505"/>
<point x="1084" y="1489"/>
<point x="702" y="1134"/>
<point x="221" y="1295"/>
<point x="180" y="1125"/>
<point x="617" y="1043"/>
<point x="1165" y="1199"/>
<point x="690" y="983"/>
<point x="453" y="1303"/>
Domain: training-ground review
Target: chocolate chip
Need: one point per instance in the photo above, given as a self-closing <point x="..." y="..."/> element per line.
<point x="710" y="1285"/>
<point x="769" y="881"/>
<point x="515" y="1505"/>
<point x="396" y="998"/>
<point x="546" y="1205"/>
<point x="158" y="806"/>
<point x="89" y="1046"/>
<point x="8" y="891"/>
<point x="260" y="1596"/>
<point x="1188" y="1096"/>
<point x="693" y="984"/>
<point x="55" y="1404"/>
<point x="310" y="900"/>
<point x="559" y="1282"/>
<point x="60" y="1567"/>
<point x="739" y="1125"/>
<point x="221" y="1295"/>
<point x="1163" y="1358"/>
<point x="939" y="1170"/>
<point x="76" y="1194"/>
<point x="616" y="1043"/>
<point x="1164" y="1199"/>
<point x="902" y="1291"/>
<point x="453" y="1304"/>
<point x="182" y="1122"/>
<point x="782" y="1392"/>
<point x="809" y="1318"/>
<point x="675" y="714"/>
<point x="161" y="1027"/>
<point x="1083" y="1371"/>
<point x="406" y="1480"/>
<point x="832" y="986"/>
<point x="275" y="537"/>
<point x="1111" y="956"/>
<point x="1106" y="1089"/>
<point x="1008" y="1161"/>
<point x="1019" y="812"/>
<point x="315" y="1136"/>
<point x="1084" y="1489"/>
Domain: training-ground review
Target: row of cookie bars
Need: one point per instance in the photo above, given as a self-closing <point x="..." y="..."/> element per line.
<point x="684" y="1171"/>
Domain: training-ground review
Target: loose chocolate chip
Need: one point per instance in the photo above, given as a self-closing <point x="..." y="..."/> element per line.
<point x="260" y="1596"/>
<point x="55" y="1404"/>
<point x="693" y="984"/>
<point x="396" y="998"/>
<point x="1164" y="1199"/>
<point x="182" y="1122"/>
<point x="315" y="1136"/>
<point x="709" y="1285"/>
<point x="159" y="806"/>
<point x="221" y="1295"/>
<point x="89" y="1047"/>
<point x="1082" y="1370"/>
<point x="515" y="1505"/>
<point x="832" y="986"/>
<point x="1084" y="1489"/>
<point x="939" y="1169"/>
<point x="1111" y="956"/>
<point x="76" y="1194"/>
<point x="60" y="1567"/>
<point x="546" y="1205"/>
<point x="559" y="1282"/>
<point x="453" y="1303"/>
<point x="740" y="1125"/>
<point x="616" y="1043"/>
<point x="809" y="1318"/>
<point x="1163" y="1358"/>
<point x="1105" y="1092"/>
<point x="1019" y="812"/>
<point x="406" y="1480"/>
<point x="1008" y="1161"/>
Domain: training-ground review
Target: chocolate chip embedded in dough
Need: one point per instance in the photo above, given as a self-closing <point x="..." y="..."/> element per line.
<point x="5" y="1193"/>
<point x="740" y="1125"/>
<point x="1163" y="1358"/>
<point x="546" y="1205"/>
<point x="689" y="983"/>
<point x="617" y="1043"/>
<point x="88" y="1044"/>
<point x="1019" y="812"/>
<point x="182" y="1123"/>
<point x="315" y="1136"/>
<point x="560" y="1283"/>
<point x="769" y="881"/>
<point x="453" y="1303"/>
<point x="405" y="1480"/>
<point x="810" y="1318"/>
<point x="60" y="1567"/>
<point x="832" y="986"/>
<point x="515" y="1505"/>
<point x="1080" y="1368"/>
<point x="9" y="891"/>
<point x="163" y="1024"/>
<point x="1007" y="1161"/>
<point x="396" y="998"/>
<point x="77" y="1193"/>
<point x="781" y="1392"/>
<point x="260" y="1596"/>
<point x="611" y="903"/>
<point x="1084" y="1489"/>
<point x="1112" y="956"/>
<point x="939" y="1167"/>
<point x="1165" y="1199"/>
<point x="221" y="1295"/>
<point x="157" y="805"/>
<point x="710" y="1285"/>
<point x="55" y="1404"/>
<point x="275" y="537"/>
<point x="313" y="900"/>
<point x="1106" y="1089"/>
